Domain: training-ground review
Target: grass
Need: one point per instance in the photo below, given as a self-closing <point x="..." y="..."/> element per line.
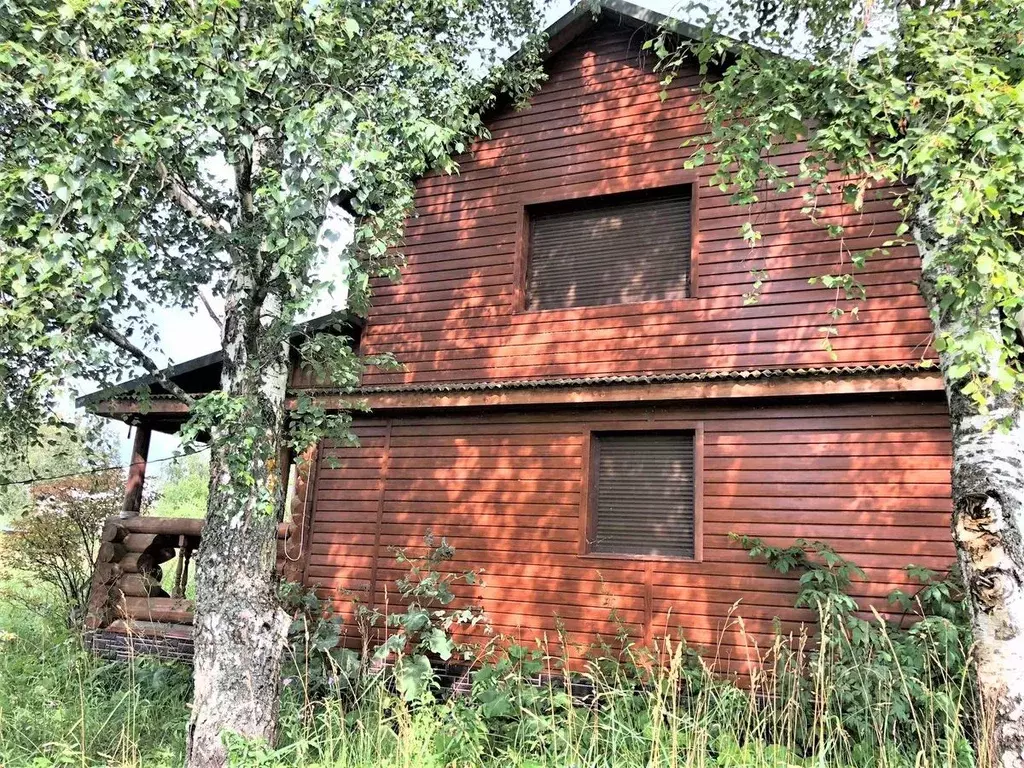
<point x="862" y="692"/>
<point x="60" y="706"/>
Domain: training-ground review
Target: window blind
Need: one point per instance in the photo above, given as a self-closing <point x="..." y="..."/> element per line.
<point x="645" y="490"/>
<point x="613" y="250"/>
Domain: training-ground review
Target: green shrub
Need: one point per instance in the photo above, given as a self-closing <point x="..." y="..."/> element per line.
<point x="883" y="683"/>
<point x="421" y="632"/>
<point x="313" y="661"/>
<point x="46" y="561"/>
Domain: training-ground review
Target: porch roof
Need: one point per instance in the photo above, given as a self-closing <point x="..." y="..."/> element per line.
<point x="144" y="400"/>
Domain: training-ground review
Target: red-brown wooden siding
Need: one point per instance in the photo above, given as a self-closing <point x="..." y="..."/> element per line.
<point x="598" y="125"/>
<point x="869" y="476"/>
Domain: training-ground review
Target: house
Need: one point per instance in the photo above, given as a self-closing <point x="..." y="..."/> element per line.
<point x="588" y="406"/>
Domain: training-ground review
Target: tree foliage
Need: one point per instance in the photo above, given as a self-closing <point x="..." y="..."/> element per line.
<point x="151" y="147"/>
<point x="184" y="487"/>
<point x="919" y="103"/>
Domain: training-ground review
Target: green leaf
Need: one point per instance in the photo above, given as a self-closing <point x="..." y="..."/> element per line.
<point x="438" y="642"/>
<point x="413" y="676"/>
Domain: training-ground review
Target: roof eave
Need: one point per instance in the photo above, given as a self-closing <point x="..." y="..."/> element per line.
<point x="345" y="319"/>
<point x="188" y="366"/>
<point x="584" y="15"/>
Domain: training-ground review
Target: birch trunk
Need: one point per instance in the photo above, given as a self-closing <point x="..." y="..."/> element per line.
<point x="987" y="524"/>
<point x="239" y="629"/>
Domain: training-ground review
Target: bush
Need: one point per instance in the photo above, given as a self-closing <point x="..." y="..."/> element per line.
<point x="422" y="632"/>
<point x="313" y="660"/>
<point x="889" y="686"/>
<point x="54" y="544"/>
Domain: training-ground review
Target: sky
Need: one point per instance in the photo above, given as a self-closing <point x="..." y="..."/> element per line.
<point x="187" y="334"/>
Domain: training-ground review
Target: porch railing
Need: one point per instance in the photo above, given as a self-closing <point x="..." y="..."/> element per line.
<point x="145" y="567"/>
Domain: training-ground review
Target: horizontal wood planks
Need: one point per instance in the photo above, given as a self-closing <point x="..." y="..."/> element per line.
<point x="598" y="125"/>
<point x="869" y="476"/>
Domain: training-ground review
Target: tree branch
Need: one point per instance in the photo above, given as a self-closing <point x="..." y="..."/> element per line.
<point x="121" y="341"/>
<point x="209" y="309"/>
<point x="189" y="202"/>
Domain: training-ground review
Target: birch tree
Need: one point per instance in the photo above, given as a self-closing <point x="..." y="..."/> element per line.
<point x="119" y="120"/>
<point x="927" y="99"/>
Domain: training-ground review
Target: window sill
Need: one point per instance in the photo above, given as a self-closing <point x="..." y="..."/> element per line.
<point x="639" y="558"/>
<point x="603" y="311"/>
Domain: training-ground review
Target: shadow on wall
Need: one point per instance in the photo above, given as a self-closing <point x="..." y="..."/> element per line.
<point x="597" y="120"/>
<point x="505" y="491"/>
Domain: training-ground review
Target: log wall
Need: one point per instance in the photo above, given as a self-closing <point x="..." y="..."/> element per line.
<point x="130" y="613"/>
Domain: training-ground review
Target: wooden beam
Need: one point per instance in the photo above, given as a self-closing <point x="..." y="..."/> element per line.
<point x="154" y="408"/>
<point x="136" y="585"/>
<point x="606" y="394"/>
<point x="157" y="629"/>
<point x="136" y="473"/>
<point x="781" y="386"/>
<point x="160" y="609"/>
<point x="180" y="526"/>
<point x="184" y="526"/>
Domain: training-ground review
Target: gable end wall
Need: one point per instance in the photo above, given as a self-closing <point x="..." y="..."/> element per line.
<point x="598" y="125"/>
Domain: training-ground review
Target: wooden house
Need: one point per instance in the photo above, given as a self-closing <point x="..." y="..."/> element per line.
<point x="589" y="405"/>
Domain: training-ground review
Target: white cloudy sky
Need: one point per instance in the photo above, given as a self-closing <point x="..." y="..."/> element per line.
<point x="188" y="334"/>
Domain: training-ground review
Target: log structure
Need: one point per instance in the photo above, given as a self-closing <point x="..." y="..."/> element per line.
<point x="138" y="602"/>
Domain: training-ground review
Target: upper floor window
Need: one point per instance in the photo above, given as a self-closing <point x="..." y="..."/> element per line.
<point x="644" y="494"/>
<point x="617" y="249"/>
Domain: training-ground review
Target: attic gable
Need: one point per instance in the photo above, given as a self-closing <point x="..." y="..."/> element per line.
<point x="584" y="16"/>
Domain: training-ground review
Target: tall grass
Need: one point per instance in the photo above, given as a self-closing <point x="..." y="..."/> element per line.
<point x="59" y="705"/>
<point x="663" y="707"/>
<point x="860" y="691"/>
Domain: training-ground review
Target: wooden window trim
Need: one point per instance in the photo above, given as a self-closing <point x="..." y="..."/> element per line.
<point x="588" y="488"/>
<point x="618" y="186"/>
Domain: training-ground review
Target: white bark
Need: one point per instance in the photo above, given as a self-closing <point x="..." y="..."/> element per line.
<point x="988" y="530"/>
<point x="988" y="519"/>
<point x="239" y="628"/>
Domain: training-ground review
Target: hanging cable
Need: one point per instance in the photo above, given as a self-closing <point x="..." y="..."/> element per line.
<point x="98" y="470"/>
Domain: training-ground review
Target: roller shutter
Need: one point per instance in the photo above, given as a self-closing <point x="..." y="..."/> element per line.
<point x="644" y="494"/>
<point x="614" y="250"/>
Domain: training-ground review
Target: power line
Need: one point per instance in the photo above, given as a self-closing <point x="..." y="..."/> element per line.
<point x="98" y="470"/>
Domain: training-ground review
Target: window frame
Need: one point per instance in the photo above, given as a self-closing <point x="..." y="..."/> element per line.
<point x="589" y="483"/>
<point x="583" y="192"/>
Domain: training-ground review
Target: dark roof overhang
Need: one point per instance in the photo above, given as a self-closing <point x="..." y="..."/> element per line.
<point x="585" y="15"/>
<point x="199" y="375"/>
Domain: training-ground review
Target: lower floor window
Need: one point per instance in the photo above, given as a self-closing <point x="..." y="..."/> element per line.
<point x="643" y="493"/>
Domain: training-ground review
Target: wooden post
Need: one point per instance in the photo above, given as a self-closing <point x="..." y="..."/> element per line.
<point x="136" y="473"/>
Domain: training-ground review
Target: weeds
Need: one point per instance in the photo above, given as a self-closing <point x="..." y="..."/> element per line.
<point x="858" y="691"/>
